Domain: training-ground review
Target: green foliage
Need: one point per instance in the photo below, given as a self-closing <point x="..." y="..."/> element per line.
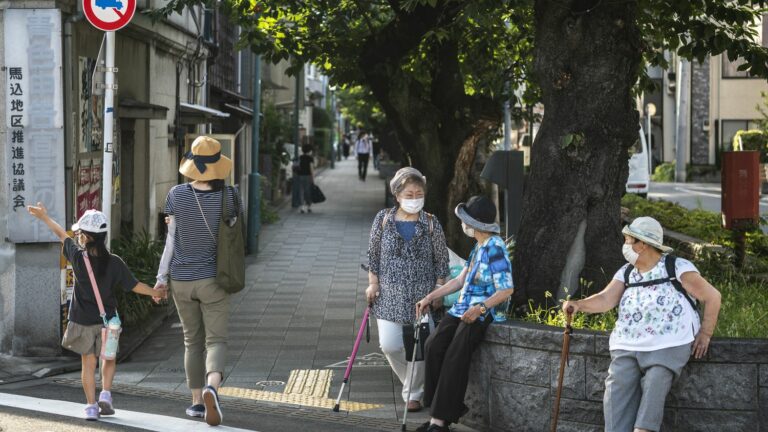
<point x="553" y="316"/>
<point x="664" y="172"/>
<point x="142" y="256"/>
<point x="752" y="140"/>
<point x="267" y="214"/>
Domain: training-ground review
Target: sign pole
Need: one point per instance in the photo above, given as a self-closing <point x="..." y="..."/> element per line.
<point x="109" y="112"/>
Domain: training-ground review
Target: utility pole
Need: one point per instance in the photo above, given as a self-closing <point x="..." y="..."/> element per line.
<point x="683" y="118"/>
<point x="109" y="112"/>
<point x="294" y="180"/>
<point x="254" y="188"/>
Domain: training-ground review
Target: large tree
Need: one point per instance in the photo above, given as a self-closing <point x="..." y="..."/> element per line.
<point x="437" y="68"/>
<point x="590" y="62"/>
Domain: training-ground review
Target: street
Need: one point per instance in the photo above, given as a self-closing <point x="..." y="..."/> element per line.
<point x="290" y="333"/>
<point x="705" y="196"/>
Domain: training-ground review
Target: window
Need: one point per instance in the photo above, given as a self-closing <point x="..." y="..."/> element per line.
<point x="729" y="128"/>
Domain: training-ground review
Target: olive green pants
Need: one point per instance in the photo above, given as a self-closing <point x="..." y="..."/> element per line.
<point x="204" y="312"/>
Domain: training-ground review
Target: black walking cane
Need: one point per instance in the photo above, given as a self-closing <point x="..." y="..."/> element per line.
<point x="563" y="361"/>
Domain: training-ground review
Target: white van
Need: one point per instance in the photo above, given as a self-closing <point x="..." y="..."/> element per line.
<point x="639" y="167"/>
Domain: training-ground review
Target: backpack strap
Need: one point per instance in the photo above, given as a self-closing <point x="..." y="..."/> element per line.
<point x="672" y="275"/>
<point x="669" y="265"/>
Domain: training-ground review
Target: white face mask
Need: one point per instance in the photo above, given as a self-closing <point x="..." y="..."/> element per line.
<point x="412" y="206"/>
<point x="470" y="232"/>
<point x="629" y="254"/>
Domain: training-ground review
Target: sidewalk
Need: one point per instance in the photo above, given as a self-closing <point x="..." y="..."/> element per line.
<point x="292" y="328"/>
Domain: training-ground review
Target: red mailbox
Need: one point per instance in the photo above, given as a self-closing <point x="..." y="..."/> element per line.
<point x="740" y="188"/>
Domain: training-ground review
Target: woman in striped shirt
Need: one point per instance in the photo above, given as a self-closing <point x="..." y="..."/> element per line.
<point x="194" y="211"/>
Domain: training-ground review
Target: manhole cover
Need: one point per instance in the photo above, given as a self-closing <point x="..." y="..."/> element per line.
<point x="270" y="383"/>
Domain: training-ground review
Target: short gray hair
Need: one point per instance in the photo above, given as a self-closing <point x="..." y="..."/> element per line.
<point x="403" y="177"/>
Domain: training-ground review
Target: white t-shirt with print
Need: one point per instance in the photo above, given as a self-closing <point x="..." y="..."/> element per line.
<point x="657" y="316"/>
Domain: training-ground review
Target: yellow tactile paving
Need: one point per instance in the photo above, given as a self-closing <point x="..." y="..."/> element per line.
<point x="295" y="399"/>
<point x="305" y="387"/>
<point x="309" y="382"/>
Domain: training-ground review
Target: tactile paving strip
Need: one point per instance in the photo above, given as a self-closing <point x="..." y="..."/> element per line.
<point x="258" y="406"/>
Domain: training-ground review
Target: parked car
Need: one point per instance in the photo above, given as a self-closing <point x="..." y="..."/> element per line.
<point x="639" y="178"/>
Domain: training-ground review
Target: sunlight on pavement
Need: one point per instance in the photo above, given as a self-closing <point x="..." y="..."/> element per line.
<point x="305" y="387"/>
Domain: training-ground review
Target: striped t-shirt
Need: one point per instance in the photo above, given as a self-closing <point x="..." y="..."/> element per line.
<point x="194" y="254"/>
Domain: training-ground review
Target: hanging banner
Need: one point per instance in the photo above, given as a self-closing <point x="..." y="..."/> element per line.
<point x="35" y="121"/>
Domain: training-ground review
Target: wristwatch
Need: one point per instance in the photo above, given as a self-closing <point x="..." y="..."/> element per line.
<point x="483" y="308"/>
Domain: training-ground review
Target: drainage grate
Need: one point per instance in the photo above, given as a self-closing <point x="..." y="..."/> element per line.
<point x="255" y="406"/>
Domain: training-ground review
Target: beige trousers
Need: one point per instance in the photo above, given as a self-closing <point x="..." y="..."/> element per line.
<point x="204" y="312"/>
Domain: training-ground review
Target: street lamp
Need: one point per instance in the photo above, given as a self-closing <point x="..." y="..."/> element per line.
<point x="650" y="111"/>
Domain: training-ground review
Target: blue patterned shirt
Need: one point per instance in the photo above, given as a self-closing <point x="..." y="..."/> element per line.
<point x="488" y="270"/>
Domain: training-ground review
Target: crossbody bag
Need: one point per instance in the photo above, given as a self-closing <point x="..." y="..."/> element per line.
<point x="110" y="333"/>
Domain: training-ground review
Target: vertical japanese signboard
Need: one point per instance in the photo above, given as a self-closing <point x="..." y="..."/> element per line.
<point x="35" y="121"/>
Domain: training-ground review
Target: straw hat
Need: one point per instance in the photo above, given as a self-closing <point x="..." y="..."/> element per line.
<point x="205" y="161"/>
<point x="648" y="230"/>
<point x="479" y="213"/>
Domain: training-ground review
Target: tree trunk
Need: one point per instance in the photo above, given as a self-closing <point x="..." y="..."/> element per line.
<point x="587" y="58"/>
<point x="439" y="126"/>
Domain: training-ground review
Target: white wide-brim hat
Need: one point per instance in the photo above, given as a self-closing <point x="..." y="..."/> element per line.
<point x="648" y="230"/>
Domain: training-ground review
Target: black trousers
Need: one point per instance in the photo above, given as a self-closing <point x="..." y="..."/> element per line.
<point x="448" y="354"/>
<point x="362" y="165"/>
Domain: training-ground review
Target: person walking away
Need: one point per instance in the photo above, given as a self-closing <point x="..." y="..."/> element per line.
<point x="485" y="282"/>
<point x="363" y="151"/>
<point x="376" y="148"/>
<point x="189" y="259"/>
<point x="657" y="328"/>
<point x="306" y="178"/>
<point x="407" y="255"/>
<point x="345" y="146"/>
<point x="83" y="333"/>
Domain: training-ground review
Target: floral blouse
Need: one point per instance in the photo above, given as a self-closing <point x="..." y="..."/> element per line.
<point x="407" y="270"/>
<point x="657" y="316"/>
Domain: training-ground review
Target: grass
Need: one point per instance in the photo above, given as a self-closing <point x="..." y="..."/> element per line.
<point x="744" y="293"/>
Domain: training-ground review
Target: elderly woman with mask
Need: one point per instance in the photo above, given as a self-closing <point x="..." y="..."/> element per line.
<point x="408" y="256"/>
<point x="657" y="328"/>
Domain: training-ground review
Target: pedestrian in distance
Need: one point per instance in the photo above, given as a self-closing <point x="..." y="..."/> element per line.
<point x="485" y="281"/>
<point x="188" y="268"/>
<point x="306" y="178"/>
<point x="657" y="329"/>
<point x="363" y="149"/>
<point x="407" y="256"/>
<point x="83" y="335"/>
<point x="345" y="146"/>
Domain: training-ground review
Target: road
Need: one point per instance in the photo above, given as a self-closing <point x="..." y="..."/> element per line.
<point x="705" y="196"/>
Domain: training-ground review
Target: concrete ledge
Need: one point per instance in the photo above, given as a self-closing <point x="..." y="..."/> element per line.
<point x="513" y="381"/>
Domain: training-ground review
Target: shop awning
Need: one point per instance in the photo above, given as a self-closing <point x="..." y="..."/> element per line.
<point x="193" y="113"/>
<point x="133" y="109"/>
<point x="239" y="110"/>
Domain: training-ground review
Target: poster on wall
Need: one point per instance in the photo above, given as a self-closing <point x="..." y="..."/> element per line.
<point x="35" y="121"/>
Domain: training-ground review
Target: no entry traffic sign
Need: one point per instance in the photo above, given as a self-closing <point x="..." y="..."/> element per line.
<point x="109" y="15"/>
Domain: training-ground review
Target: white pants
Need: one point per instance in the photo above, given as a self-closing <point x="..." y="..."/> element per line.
<point x="391" y="343"/>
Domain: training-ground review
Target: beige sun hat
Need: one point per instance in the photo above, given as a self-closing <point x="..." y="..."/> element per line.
<point x="205" y="162"/>
<point x="648" y="230"/>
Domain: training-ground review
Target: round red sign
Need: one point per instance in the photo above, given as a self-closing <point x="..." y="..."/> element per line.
<point x="109" y="15"/>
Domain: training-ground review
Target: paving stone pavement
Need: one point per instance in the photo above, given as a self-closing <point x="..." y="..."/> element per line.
<point x="301" y="308"/>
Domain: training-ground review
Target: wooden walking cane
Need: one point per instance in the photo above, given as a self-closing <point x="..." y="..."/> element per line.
<point x="563" y="361"/>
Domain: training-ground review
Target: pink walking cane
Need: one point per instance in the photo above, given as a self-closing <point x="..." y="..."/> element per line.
<point x="352" y="357"/>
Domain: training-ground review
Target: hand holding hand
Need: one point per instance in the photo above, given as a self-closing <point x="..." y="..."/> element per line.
<point x="700" y="345"/>
<point x="371" y="293"/>
<point x="162" y="292"/>
<point x="39" y="211"/>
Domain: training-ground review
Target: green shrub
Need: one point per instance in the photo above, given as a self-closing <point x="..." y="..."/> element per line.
<point x="752" y="140"/>
<point x="142" y="256"/>
<point x="664" y="172"/>
<point x="744" y="292"/>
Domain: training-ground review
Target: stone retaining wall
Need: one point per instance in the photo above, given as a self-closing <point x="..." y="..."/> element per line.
<point x="514" y="372"/>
